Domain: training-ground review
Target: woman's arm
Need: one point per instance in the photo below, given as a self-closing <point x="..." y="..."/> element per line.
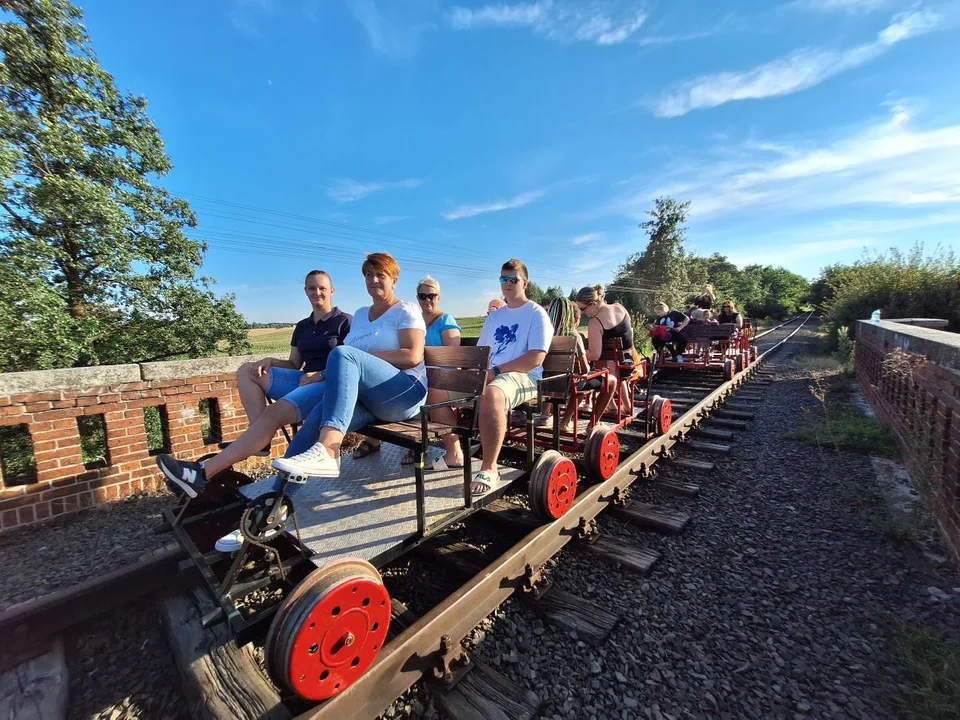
<point x="595" y="340"/>
<point x="581" y="365"/>
<point x="295" y="361"/>
<point x="451" y="337"/>
<point x="410" y="353"/>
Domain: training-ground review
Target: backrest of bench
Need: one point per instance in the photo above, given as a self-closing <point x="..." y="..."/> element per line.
<point x="709" y="332"/>
<point x="560" y="358"/>
<point x="457" y="369"/>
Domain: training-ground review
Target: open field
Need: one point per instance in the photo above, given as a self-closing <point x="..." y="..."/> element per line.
<point x="276" y="341"/>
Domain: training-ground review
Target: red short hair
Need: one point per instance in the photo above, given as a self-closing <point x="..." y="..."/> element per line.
<point x="381" y="263"/>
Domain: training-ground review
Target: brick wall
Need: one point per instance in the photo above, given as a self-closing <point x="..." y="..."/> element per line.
<point x="911" y="376"/>
<point x="49" y="404"/>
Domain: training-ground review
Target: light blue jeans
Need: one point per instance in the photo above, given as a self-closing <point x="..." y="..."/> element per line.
<point x="285" y="385"/>
<point x="360" y="389"/>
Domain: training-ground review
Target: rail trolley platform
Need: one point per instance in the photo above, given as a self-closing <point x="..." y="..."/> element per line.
<point x="370" y="511"/>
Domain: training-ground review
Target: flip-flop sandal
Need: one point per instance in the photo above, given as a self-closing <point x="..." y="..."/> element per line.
<point x="365" y="448"/>
<point x="489" y="481"/>
<point x="407" y="459"/>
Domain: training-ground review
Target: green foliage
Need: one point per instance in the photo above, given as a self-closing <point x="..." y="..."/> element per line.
<point x="17" y="462"/>
<point x="933" y="668"/>
<point x="535" y="292"/>
<point x="471" y="326"/>
<point x="898" y="284"/>
<point x="660" y="270"/>
<point x="95" y="267"/>
<point x="845" y="428"/>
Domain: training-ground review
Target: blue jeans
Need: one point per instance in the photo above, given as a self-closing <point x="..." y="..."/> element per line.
<point x="285" y="385"/>
<point x="360" y="389"/>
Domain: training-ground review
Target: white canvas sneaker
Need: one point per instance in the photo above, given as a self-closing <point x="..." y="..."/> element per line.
<point x="313" y="463"/>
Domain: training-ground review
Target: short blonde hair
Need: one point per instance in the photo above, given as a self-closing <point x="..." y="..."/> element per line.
<point x="661" y="306"/>
<point x="430" y="283"/>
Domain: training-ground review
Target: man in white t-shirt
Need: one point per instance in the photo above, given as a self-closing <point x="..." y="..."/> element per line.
<point x="519" y="336"/>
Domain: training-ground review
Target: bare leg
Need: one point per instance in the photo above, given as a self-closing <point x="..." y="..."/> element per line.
<point x="252" y="390"/>
<point x="331" y="439"/>
<point x="493" y="426"/>
<point x="604" y="396"/>
<point x="447" y="416"/>
<point x="254" y="438"/>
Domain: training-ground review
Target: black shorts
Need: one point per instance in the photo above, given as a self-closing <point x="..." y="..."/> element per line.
<point x="591" y="384"/>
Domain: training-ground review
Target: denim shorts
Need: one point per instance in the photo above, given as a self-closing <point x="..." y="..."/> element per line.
<point x="285" y="385"/>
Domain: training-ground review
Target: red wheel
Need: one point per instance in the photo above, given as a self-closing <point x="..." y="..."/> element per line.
<point x="553" y="486"/>
<point x="601" y="451"/>
<point x="738" y="362"/>
<point x="329" y="630"/>
<point x="728" y="369"/>
<point x="661" y="409"/>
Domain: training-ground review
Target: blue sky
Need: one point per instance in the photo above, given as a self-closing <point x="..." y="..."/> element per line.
<point x="456" y="134"/>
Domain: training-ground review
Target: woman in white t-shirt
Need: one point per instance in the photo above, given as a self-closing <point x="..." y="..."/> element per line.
<point x="376" y="375"/>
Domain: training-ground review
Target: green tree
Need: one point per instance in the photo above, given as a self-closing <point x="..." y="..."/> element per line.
<point x="659" y="272"/>
<point x="535" y="292"/>
<point x="96" y="267"/>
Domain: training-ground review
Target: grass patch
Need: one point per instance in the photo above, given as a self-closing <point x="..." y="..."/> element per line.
<point x="933" y="667"/>
<point x="471" y="326"/>
<point x="846" y="429"/>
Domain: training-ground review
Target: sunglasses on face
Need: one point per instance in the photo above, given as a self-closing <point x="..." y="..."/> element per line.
<point x="512" y="279"/>
<point x="427" y="296"/>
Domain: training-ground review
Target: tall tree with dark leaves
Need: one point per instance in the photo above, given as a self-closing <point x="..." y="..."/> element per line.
<point x="659" y="272"/>
<point x="95" y="266"/>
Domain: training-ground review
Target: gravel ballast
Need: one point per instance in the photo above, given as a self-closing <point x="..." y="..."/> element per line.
<point x="778" y="600"/>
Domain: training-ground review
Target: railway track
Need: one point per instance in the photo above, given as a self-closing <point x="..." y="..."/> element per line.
<point x="428" y="631"/>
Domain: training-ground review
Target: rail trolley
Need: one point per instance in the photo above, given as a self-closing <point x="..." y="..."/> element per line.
<point x="308" y="581"/>
<point x="723" y="348"/>
<point x="593" y="435"/>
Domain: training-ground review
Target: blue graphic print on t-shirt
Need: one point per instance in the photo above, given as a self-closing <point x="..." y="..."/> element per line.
<point x="505" y="336"/>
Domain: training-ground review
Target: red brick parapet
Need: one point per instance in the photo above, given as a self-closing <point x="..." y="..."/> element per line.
<point x="49" y="404"/>
<point x="911" y="377"/>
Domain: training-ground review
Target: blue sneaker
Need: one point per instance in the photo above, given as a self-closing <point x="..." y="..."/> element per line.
<point x="184" y="477"/>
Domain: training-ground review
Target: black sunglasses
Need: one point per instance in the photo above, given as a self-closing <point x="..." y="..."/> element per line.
<point x="427" y="296"/>
<point x="512" y="279"/>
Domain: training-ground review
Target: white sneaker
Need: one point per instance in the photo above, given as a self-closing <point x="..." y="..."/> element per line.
<point x="313" y="463"/>
<point x="230" y="543"/>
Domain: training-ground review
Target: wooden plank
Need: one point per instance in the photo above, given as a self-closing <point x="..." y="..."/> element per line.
<point x="715" y="448"/>
<point x="635" y="558"/>
<point x="462" y="356"/>
<point x="572" y="612"/>
<point x="734" y="414"/>
<point x="715" y="434"/>
<point x="219" y="680"/>
<point x="470" y="382"/>
<point x="692" y="464"/>
<point x="37" y="689"/>
<point x="508" y="513"/>
<point x="484" y="694"/>
<point x="732" y="424"/>
<point x="650" y="517"/>
<point x="677" y="487"/>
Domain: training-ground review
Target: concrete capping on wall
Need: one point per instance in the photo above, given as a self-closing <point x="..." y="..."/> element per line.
<point x="923" y="322"/>
<point x="178" y="369"/>
<point x="942" y="348"/>
<point x="17" y="383"/>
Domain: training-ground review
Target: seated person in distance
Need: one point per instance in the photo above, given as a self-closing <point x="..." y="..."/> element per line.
<point x="673" y="322"/>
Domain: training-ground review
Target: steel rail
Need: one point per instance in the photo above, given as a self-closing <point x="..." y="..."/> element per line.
<point x="420" y="649"/>
<point x="27" y="627"/>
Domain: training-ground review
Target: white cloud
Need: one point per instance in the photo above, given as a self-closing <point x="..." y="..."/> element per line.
<point x="888" y="164"/>
<point x="849" y="7"/>
<point x="797" y="71"/>
<point x="565" y="21"/>
<point x="588" y="237"/>
<point x="467" y="211"/>
<point x="387" y="219"/>
<point x="393" y="28"/>
<point x="347" y="190"/>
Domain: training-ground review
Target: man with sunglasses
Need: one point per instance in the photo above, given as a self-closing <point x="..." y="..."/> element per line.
<point x="519" y="336"/>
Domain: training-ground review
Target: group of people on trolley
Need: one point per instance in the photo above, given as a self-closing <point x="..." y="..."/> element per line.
<point x="345" y="372"/>
<point x="667" y="333"/>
